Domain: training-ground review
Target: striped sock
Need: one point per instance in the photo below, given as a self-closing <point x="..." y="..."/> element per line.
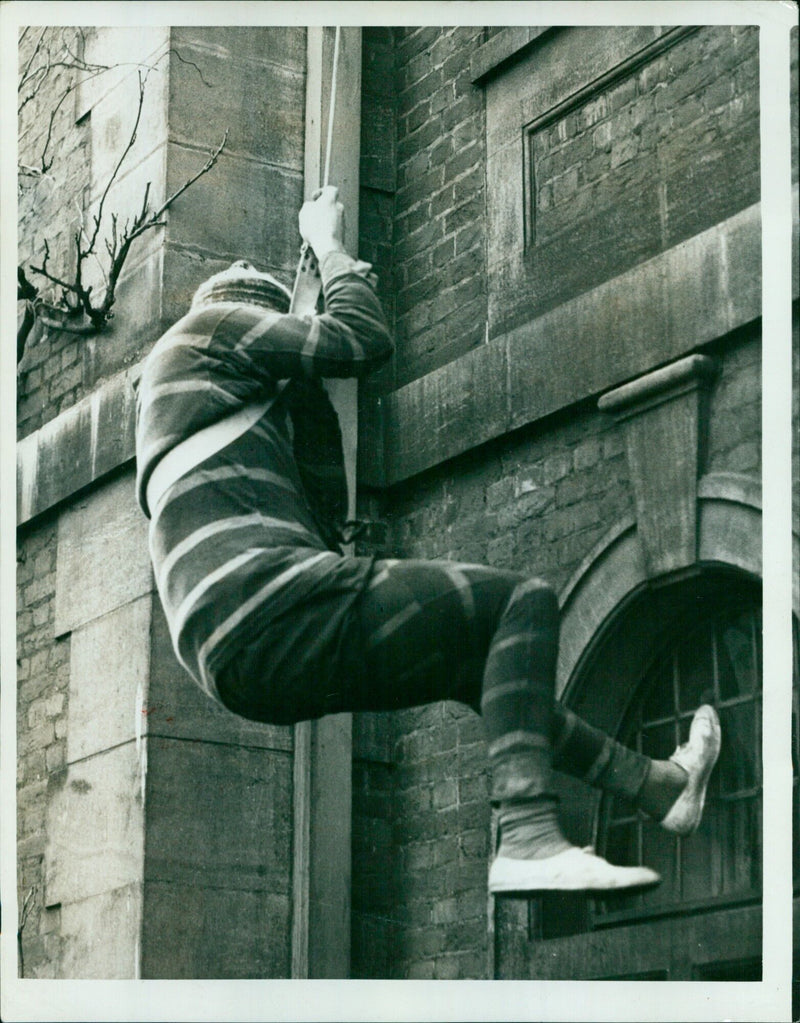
<point x="530" y="830"/>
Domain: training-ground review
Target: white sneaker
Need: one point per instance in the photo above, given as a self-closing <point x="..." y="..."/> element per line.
<point x="572" y="870"/>
<point x="697" y="757"/>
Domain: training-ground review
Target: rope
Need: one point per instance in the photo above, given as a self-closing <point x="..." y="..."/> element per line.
<point x="306" y="281"/>
<point x="332" y="107"/>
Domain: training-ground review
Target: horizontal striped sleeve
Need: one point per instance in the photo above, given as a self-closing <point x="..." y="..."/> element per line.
<point x="350" y="338"/>
<point x="181" y="613"/>
<point x="194" y="387"/>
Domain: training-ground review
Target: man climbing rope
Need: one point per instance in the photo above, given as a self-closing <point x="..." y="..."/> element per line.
<point x="239" y="471"/>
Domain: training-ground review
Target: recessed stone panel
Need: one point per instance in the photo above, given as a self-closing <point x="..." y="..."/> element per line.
<point x="108" y="679"/>
<point x="186" y="938"/>
<point x="218" y="816"/>
<point x="606" y="147"/>
<point x="95" y="826"/>
<point x="103" y="558"/>
<point x="101" y="936"/>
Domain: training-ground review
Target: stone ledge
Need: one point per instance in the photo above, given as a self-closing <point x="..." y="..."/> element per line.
<point x="508" y="45"/>
<point x="660" y="385"/>
<point x="78" y="448"/>
<point x="657" y="312"/>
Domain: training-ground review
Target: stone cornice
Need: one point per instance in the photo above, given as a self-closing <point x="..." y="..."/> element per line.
<point x="77" y="448"/>
<point x="655" y="313"/>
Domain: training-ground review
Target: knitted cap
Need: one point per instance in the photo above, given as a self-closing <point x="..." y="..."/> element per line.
<point x="241" y="282"/>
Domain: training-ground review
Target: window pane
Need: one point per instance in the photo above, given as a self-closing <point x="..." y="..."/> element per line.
<point x="738" y="831"/>
<point x="738" y="770"/>
<point x="659" y="853"/>
<point x="736" y="658"/>
<point x="622" y="844"/>
<point x="697" y="867"/>
<point x="716" y="662"/>
<point x="660" y="703"/>
<point x="696" y="666"/>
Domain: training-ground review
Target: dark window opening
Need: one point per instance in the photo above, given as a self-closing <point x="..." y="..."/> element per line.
<point x="718" y="662"/>
<point x="673" y="649"/>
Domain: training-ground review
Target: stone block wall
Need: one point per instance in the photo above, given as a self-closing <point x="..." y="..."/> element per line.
<point x="138" y="800"/>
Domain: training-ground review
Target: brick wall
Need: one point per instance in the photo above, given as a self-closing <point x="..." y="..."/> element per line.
<point x="539" y="500"/>
<point x="630" y="169"/>
<point x="536" y="503"/>
<point x="50" y="377"/>
<point x="42" y="693"/>
<point x="700" y="97"/>
<point x="439" y="248"/>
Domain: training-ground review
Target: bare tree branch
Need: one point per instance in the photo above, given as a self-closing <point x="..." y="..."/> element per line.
<point x="22" y="921"/>
<point x="44" y="272"/>
<point x="143" y="223"/>
<point x="191" y="63"/>
<point x="128" y="146"/>
<point x="203" y="170"/>
<point x="38" y="74"/>
<point x="76" y="297"/>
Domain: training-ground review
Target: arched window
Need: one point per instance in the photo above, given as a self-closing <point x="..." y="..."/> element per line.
<point x="717" y="661"/>
<point x="668" y="649"/>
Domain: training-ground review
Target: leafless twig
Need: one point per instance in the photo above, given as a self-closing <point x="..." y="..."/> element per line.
<point x="22" y="921"/>
<point x="77" y="300"/>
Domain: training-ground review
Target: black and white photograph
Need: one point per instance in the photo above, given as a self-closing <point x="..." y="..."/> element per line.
<point x="399" y="526"/>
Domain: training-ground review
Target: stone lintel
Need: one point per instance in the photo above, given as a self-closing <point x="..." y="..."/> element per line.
<point x="658" y="311"/>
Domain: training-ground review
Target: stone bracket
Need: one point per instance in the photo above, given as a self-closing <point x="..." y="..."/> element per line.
<point x="663" y="416"/>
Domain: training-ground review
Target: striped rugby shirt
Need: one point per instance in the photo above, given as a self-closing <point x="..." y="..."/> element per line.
<point x="233" y="542"/>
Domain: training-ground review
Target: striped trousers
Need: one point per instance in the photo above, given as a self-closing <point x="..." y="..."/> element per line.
<point x="423" y="631"/>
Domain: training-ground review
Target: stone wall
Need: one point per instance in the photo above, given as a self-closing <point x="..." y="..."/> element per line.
<point x="147" y="817"/>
